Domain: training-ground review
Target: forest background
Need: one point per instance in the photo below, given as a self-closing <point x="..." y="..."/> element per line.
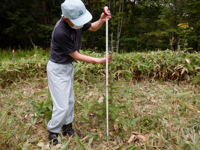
<point x="137" y="25"/>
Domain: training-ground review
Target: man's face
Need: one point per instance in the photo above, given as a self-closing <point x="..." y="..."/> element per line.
<point x="71" y="24"/>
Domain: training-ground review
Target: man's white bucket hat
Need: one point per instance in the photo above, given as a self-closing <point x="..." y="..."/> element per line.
<point x="76" y="12"/>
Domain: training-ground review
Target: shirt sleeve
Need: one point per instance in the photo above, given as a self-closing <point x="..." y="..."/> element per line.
<point x="86" y="26"/>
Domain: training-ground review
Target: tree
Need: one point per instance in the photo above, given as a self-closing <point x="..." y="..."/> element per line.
<point x="120" y="23"/>
<point x="137" y="25"/>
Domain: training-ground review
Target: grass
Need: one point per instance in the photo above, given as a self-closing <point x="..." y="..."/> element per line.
<point x="144" y="112"/>
<point x="6" y="54"/>
<point x="165" y="114"/>
<point x="162" y="65"/>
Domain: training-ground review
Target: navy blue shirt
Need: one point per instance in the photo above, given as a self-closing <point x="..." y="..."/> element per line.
<point x="65" y="40"/>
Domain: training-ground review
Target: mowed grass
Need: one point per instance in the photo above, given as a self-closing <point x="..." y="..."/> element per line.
<point x="142" y="115"/>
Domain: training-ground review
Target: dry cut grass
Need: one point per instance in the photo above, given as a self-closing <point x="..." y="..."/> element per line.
<point x="143" y="115"/>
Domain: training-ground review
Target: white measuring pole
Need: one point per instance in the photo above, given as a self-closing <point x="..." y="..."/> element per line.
<point x="107" y="120"/>
<point x="107" y="74"/>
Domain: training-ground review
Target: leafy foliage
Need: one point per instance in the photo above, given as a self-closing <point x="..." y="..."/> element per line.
<point x="142" y="24"/>
<point x="163" y="65"/>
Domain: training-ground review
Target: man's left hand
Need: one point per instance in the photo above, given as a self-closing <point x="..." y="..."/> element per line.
<point x="103" y="16"/>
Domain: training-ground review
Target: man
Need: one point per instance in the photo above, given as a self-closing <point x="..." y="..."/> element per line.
<point x="65" y="44"/>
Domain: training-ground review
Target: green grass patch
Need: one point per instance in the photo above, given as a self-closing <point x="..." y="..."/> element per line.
<point x="162" y="65"/>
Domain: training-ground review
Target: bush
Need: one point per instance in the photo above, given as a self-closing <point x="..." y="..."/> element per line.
<point x="162" y="65"/>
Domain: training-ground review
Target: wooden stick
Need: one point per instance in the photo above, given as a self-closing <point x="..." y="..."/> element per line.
<point x="13" y="51"/>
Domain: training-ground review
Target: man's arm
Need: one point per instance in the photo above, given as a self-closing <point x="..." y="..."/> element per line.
<point x="96" y="25"/>
<point x="77" y="56"/>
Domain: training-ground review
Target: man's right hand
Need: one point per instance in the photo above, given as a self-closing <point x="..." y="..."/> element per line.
<point x="103" y="60"/>
<point x="77" y="56"/>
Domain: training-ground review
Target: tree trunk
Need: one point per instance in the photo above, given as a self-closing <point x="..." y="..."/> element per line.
<point x="113" y="7"/>
<point x="31" y="40"/>
<point x="120" y="23"/>
<point x="133" y="12"/>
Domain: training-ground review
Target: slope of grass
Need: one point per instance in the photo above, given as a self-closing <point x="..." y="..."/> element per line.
<point x="144" y="113"/>
<point x="162" y="65"/>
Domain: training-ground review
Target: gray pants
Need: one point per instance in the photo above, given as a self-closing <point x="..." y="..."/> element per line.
<point x="60" y="81"/>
